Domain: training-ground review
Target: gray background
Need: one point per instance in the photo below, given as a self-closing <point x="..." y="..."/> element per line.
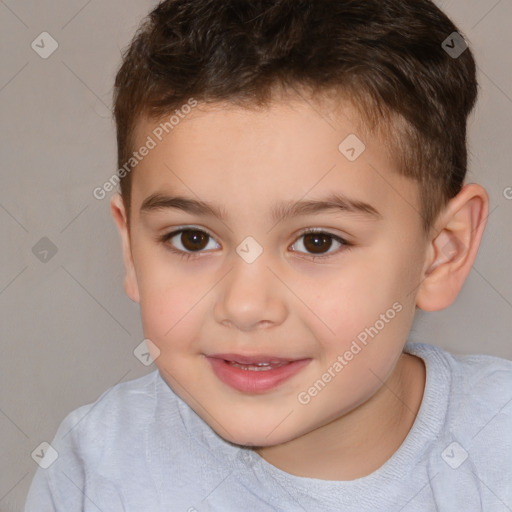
<point x="67" y="329"/>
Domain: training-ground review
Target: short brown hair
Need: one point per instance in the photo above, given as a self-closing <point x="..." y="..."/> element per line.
<point x="387" y="56"/>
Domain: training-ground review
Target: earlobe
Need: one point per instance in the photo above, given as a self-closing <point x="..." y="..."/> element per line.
<point x="453" y="249"/>
<point x="130" y="279"/>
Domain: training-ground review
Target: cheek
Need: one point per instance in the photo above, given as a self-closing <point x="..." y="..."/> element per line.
<point x="169" y="302"/>
<point x="369" y="300"/>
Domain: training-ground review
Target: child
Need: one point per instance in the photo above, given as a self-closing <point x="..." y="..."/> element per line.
<point x="292" y="190"/>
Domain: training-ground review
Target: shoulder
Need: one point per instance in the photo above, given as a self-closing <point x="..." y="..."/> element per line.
<point x="476" y="389"/>
<point x="94" y="445"/>
<point x="472" y="450"/>
<point x="124" y="408"/>
<point x="473" y="378"/>
<point x="481" y="395"/>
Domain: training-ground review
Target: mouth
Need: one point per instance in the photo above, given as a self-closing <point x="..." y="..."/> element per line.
<point x="256" y="373"/>
<point x="256" y="367"/>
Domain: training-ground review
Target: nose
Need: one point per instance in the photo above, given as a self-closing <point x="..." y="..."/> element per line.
<point x="251" y="296"/>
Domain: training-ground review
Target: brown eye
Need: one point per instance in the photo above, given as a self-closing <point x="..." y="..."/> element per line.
<point x="319" y="243"/>
<point x="194" y="240"/>
<point x="316" y="243"/>
<point x="188" y="241"/>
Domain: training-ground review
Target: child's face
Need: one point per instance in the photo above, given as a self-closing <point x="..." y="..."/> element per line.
<point x="280" y="305"/>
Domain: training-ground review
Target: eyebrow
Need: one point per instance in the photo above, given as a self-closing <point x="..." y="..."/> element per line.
<point x="282" y="211"/>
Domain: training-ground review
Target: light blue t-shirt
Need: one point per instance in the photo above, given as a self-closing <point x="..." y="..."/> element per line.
<point x="140" y="448"/>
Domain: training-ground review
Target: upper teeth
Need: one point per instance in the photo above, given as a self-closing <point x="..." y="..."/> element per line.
<point x="252" y="366"/>
<point x="255" y="364"/>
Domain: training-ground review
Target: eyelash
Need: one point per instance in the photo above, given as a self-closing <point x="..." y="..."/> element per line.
<point x="345" y="246"/>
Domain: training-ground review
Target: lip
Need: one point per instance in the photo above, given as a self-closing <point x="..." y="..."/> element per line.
<point x="254" y="381"/>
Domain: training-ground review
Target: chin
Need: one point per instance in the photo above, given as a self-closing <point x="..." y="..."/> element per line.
<point x="252" y="435"/>
<point x="259" y="441"/>
<point x="249" y="435"/>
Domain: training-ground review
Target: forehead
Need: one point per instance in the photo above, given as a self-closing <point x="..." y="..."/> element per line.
<point x="285" y="151"/>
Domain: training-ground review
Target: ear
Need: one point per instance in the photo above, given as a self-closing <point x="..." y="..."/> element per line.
<point x="130" y="279"/>
<point x="452" y="250"/>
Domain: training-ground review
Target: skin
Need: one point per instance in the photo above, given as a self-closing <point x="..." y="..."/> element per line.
<point x="285" y="303"/>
